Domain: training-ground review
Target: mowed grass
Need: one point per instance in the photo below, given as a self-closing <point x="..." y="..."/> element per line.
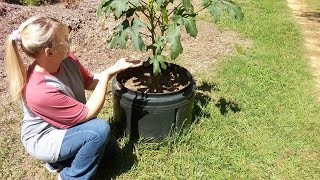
<point x="257" y="111"/>
<point x="257" y="115"/>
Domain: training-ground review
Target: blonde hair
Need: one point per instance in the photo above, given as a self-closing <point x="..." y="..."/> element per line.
<point x="36" y="33"/>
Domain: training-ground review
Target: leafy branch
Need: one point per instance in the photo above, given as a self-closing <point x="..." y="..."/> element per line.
<point x="158" y="16"/>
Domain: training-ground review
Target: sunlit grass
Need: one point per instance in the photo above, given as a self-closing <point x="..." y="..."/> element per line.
<point x="261" y="120"/>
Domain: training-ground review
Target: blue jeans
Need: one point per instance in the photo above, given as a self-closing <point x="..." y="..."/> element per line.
<point x="82" y="149"/>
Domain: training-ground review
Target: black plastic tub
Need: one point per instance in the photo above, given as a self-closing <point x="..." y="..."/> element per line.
<point x="152" y="115"/>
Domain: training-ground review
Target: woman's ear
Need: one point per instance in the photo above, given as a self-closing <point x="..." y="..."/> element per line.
<point x="48" y="52"/>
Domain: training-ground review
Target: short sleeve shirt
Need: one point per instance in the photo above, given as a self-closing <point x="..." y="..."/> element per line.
<point x="53" y="103"/>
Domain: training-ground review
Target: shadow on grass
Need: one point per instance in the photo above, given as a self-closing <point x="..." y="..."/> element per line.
<point x="116" y="161"/>
<point x="225" y="105"/>
<point x="313" y="16"/>
<point x="202" y="98"/>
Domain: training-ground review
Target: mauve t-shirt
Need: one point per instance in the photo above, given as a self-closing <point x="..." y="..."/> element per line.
<point x="53" y="103"/>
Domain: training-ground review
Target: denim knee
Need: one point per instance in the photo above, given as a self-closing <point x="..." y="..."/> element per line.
<point x="102" y="129"/>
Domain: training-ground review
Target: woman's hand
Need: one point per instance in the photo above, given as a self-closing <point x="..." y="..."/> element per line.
<point x="120" y="65"/>
<point x="125" y="63"/>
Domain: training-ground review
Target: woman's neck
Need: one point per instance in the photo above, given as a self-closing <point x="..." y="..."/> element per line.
<point x="49" y="65"/>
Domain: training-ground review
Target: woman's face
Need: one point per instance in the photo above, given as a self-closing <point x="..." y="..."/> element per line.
<point x="61" y="44"/>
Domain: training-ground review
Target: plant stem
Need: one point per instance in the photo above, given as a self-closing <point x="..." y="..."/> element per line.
<point x="203" y="8"/>
<point x="175" y="9"/>
<point x="152" y="30"/>
<point x="148" y="35"/>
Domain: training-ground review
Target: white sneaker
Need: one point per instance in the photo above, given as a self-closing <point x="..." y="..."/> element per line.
<point x="52" y="169"/>
<point x="59" y="177"/>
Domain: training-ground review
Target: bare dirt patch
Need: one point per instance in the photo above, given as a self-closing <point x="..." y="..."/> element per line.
<point x="310" y="24"/>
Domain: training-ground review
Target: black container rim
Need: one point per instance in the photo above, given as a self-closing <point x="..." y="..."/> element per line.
<point x="191" y="83"/>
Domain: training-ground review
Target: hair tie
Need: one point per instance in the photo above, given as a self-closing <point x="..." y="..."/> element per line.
<point x="15" y="35"/>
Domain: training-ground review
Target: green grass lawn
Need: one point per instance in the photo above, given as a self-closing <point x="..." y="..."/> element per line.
<point x="262" y="117"/>
<point x="257" y="115"/>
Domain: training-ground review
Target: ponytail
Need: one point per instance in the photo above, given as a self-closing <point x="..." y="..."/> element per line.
<point x="34" y="35"/>
<point x="16" y="70"/>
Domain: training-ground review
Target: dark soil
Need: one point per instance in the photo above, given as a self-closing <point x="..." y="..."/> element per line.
<point x="141" y="79"/>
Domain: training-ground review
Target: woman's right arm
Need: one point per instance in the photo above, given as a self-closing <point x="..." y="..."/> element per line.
<point x="96" y="100"/>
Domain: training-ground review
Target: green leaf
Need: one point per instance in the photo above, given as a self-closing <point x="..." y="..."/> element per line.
<point x="156" y="67"/>
<point x="120" y="37"/>
<point x="119" y="6"/>
<point x="114" y="41"/>
<point x="190" y="25"/>
<point x="137" y="23"/>
<point x="159" y="2"/>
<point x="100" y="7"/>
<point x="135" y="34"/>
<point x="234" y="10"/>
<point x="177" y="19"/>
<point x="137" y="41"/>
<point x="173" y="37"/>
<point x="179" y="11"/>
<point x="159" y="44"/>
<point x="123" y="37"/>
<point x="187" y="5"/>
<point x="104" y="7"/>
<point x="163" y="64"/>
<point x="216" y="11"/>
<point x="157" y="62"/>
<point x="164" y="15"/>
